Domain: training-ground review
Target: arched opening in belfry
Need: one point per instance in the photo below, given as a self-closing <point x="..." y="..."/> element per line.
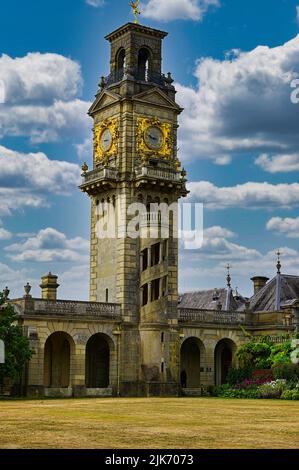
<point x="224" y="357"/>
<point x="143" y="64"/>
<point x="57" y="360"/>
<point x="121" y="62"/>
<point x="192" y="351"/>
<point x="97" y="371"/>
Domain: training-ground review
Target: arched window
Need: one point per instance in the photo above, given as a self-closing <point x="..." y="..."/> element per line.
<point x="143" y="64"/>
<point x="120" y="63"/>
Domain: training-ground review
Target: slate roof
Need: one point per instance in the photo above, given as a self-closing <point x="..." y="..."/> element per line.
<point x="204" y="300"/>
<point x="283" y="289"/>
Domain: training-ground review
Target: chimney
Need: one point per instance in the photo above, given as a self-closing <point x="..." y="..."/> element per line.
<point x="49" y="287"/>
<point x="259" y="282"/>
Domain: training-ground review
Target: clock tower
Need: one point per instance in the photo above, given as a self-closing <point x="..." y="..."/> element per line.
<point x="136" y="174"/>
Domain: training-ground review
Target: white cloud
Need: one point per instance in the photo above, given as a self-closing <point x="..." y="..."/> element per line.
<point x="95" y="3"/>
<point x="37" y="172"/>
<point x="168" y="10"/>
<point x="49" y="245"/>
<point x="41" y="98"/>
<point x="242" y="105"/>
<point x="4" y="234"/>
<point x="288" y="226"/>
<point x="223" y="160"/>
<point x="13" y="279"/>
<point x="85" y="150"/>
<point x="278" y="163"/>
<point x="218" y="232"/>
<point x="205" y="270"/>
<point x="16" y="199"/>
<point x="27" y="179"/>
<point x="249" y="195"/>
<point x="217" y="246"/>
<point x="74" y="283"/>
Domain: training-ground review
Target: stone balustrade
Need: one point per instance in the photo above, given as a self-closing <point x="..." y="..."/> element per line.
<point x="193" y="315"/>
<point x="68" y="308"/>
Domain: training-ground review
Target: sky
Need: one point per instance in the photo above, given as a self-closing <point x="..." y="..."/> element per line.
<point x="233" y="63"/>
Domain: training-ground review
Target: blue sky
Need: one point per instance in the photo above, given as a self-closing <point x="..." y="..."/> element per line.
<point x="233" y="63"/>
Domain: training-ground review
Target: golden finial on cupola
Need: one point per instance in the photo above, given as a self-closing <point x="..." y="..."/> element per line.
<point x="136" y="12"/>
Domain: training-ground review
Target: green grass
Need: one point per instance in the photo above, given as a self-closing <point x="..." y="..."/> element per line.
<point x="138" y="423"/>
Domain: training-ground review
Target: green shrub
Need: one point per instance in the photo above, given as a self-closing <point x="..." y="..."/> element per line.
<point x="237" y="376"/>
<point x="289" y="372"/>
<point x="280" y="353"/>
<point x="224" y="391"/>
<point x="272" y="389"/>
<point x="290" y="395"/>
<point x="287" y="395"/>
<point x="255" y="355"/>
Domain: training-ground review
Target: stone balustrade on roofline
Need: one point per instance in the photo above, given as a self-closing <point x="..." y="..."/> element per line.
<point x="194" y="315"/>
<point x="39" y="307"/>
<point x="158" y="173"/>
<point x="99" y="174"/>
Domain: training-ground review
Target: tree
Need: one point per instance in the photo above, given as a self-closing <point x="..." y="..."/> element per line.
<point x="17" y="347"/>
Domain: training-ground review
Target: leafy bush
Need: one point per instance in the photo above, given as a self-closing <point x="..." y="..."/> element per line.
<point x="272" y="389"/>
<point x="224" y="391"/>
<point x="17" y="347"/>
<point x="287" y="395"/>
<point x="280" y="353"/>
<point x="290" y="394"/>
<point x="237" y="376"/>
<point x="289" y="372"/>
<point x="255" y="355"/>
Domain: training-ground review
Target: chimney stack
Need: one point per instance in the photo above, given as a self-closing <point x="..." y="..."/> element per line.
<point x="259" y="282"/>
<point x="49" y="287"/>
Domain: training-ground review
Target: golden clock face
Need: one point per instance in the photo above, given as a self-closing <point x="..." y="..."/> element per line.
<point x="106" y="140"/>
<point x="153" y="137"/>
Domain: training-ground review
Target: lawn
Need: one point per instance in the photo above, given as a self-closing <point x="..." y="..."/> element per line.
<point x="126" y="423"/>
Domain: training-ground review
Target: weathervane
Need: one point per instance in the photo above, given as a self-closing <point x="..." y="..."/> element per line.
<point x="228" y="277"/>
<point x="136" y="12"/>
<point x="278" y="261"/>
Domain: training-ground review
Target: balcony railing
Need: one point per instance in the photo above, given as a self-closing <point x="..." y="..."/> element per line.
<point x="168" y="175"/>
<point x="193" y="315"/>
<point x="145" y="76"/>
<point x="100" y="174"/>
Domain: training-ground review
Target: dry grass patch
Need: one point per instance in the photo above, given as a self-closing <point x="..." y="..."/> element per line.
<point x="140" y="423"/>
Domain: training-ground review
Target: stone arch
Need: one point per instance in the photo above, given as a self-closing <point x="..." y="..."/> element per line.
<point x="120" y="60"/>
<point x="58" y="353"/>
<point x="224" y="357"/>
<point x="144" y="63"/>
<point x="98" y="361"/>
<point x="191" y="359"/>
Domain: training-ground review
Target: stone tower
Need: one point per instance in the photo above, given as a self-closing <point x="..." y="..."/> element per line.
<point x="135" y="162"/>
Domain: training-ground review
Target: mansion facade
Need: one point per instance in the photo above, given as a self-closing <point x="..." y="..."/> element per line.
<point x="136" y="336"/>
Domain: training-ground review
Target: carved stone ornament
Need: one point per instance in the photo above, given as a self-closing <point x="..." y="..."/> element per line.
<point x="165" y="151"/>
<point x="103" y="152"/>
